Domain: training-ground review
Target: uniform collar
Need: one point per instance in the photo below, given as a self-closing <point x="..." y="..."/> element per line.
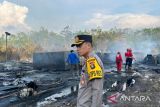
<point x="90" y="54"/>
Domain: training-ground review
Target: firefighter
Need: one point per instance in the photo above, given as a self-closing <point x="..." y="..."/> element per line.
<point x="130" y="58"/>
<point x="119" y="62"/>
<point x="91" y="81"/>
<point x="127" y="59"/>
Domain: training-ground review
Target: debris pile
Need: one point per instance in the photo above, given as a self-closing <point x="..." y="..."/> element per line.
<point x="58" y="88"/>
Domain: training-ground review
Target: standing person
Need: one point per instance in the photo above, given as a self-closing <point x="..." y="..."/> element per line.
<point x="127" y="59"/>
<point x="91" y="83"/>
<point x="130" y="58"/>
<point x="119" y="62"/>
<point x="73" y="61"/>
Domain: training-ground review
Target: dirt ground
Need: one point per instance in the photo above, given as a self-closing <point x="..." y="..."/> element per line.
<point x="61" y="87"/>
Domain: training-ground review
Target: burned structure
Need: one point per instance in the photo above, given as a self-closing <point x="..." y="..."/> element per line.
<point x="152" y="59"/>
<point x="56" y="60"/>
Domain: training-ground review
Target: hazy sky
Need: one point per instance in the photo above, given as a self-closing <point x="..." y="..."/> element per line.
<point x="24" y="15"/>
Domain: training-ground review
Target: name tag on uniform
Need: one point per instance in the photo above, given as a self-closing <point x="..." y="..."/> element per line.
<point x="94" y="69"/>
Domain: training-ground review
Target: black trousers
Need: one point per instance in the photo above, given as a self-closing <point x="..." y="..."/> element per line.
<point x="128" y="62"/>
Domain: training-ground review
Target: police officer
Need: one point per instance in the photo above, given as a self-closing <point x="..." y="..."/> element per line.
<point x="91" y="81"/>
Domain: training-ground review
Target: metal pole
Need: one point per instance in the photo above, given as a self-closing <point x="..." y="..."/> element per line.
<point x="6" y="47"/>
<point x="7" y="33"/>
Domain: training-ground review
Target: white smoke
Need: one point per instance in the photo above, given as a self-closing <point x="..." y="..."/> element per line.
<point x="12" y="17"/>
<point x="140" y="48"/>
<point x="126" y="20"/>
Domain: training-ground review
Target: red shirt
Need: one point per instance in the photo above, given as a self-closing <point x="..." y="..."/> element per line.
<point x="130" y="54"/>
<point x="118" y="58"/>
<point x="127" y="54"/>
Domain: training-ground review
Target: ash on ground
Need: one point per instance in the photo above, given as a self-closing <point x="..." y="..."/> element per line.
<point x="58" y="88"/>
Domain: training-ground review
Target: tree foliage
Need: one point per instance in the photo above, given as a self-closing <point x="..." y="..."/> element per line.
<point x="24" y="45"/>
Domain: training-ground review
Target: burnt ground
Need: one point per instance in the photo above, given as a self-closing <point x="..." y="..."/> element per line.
<point x="147" y="85"/>
<point x="59" y="88"/>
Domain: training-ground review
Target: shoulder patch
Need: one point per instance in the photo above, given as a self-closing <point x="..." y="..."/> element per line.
<point x="94" y="69"/>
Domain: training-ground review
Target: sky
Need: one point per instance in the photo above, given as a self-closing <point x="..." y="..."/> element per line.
<point x="26" y="15"/>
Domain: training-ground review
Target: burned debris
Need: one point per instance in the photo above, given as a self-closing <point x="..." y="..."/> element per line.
<point x="49" y="84"/>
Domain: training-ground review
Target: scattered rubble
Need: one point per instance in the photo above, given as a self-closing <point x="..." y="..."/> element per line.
<point x="57" y="88"/>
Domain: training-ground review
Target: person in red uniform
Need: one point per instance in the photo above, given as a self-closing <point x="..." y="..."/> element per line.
<point x="130" y="58"/>
<point x="127" y="58"/>
<point x="119" y="62"/>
